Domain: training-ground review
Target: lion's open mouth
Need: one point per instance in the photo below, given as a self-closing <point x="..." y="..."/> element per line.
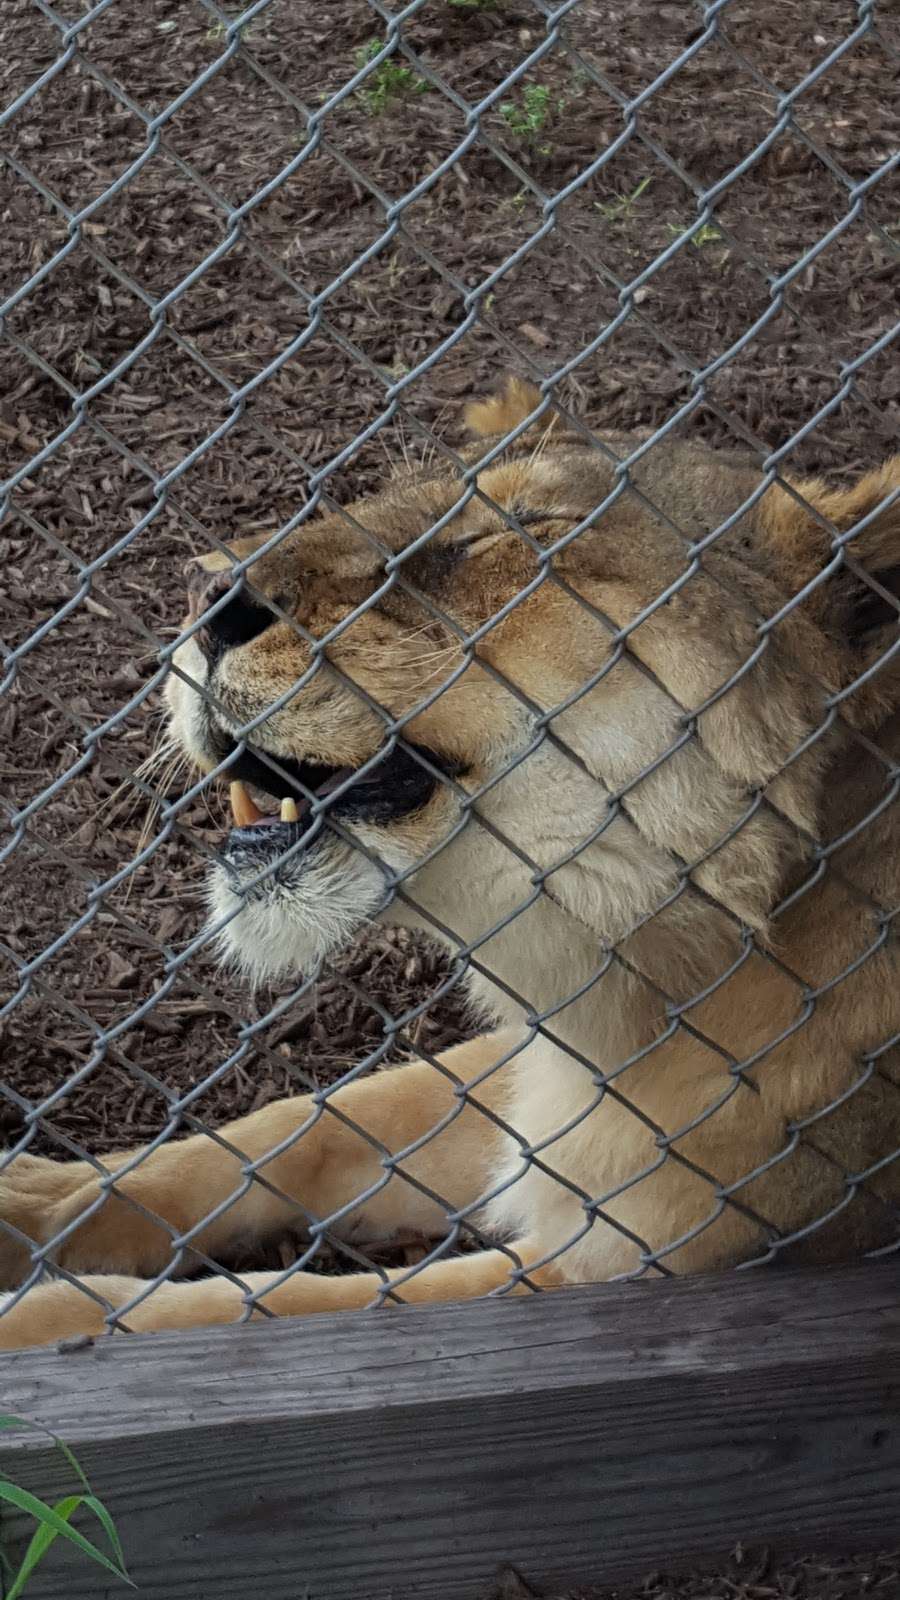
<point x="295" y="784"/>
<point x="399" y="782"/>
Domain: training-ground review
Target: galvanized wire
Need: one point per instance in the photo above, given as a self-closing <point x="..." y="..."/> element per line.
<point x="108" y="1042"/>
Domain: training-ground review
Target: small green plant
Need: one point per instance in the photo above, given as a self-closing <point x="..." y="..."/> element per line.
<point x="390" y="80"/>
<point x="517" y="202"/>
<point x="54" y="1522"/>
<point x="218" y="31"/>
<point x="528" y="117"/>
<point x="620" y="206"/>
<point x="707" y="233"/>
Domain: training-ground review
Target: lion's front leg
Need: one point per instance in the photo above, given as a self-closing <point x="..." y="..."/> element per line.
<point x="63" y="1310"/>
<point x="35" y="1194"/>
<point x="274" y="1169"/>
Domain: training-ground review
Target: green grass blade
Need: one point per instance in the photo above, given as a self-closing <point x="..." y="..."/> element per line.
<point x="41" y="1540"/>
<point x="73" y="1463"/>
<point x="109" y="1528"/>
<point x="88" y="1498"/>
<point x="25" y="1501"/>
<point x="38" y="1427"/>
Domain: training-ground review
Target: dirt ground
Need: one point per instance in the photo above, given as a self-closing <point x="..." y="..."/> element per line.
<point x="755" y="1575"/>
<point x="752" y="1575"/>
<point x="387" y="298"/>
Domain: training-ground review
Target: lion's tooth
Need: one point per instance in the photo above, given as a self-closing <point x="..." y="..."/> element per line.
<point x="289" y="812"/>
<point x="242" y="808"/>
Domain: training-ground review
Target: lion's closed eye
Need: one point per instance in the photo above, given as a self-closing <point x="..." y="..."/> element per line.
<point x="477" y="542"/>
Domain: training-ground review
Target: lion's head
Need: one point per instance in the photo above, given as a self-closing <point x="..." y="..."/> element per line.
<point x="394" y="686"/>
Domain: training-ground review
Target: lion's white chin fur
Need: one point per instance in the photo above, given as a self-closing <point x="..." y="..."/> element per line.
<point x="290" y="924"/>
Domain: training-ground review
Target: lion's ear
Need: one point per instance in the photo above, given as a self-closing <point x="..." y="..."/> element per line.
<point x="500" y="413"/>
<point x="218" y="560"/>
<point x="858" y="603"/>
<point x="868" y="588"/>
<point x="862" y="596"/>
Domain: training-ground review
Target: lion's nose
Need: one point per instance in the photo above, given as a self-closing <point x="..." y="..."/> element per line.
<point x="234" y="617"/>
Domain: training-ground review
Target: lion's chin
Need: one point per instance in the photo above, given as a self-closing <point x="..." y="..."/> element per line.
<point x="286" y="924"/>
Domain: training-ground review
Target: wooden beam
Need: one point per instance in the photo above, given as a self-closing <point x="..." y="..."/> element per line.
<point x="583" y="1436"/>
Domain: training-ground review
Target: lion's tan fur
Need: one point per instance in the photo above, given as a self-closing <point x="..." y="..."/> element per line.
<point x="688" y="994"/>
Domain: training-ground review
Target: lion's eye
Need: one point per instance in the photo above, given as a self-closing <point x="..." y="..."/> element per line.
<point x="478" y="543"/>
<point x="475" y="544"/>
<point x="526" y="518"/>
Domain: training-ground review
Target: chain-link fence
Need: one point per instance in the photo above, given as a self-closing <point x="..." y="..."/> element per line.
<point x="606" y="712"/>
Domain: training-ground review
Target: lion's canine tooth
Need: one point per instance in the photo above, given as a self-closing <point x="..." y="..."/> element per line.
<point x="243" y="810"/>
<point x="289" y="812"/>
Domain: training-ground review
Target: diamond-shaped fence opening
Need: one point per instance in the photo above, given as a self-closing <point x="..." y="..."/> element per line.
<point x="633" y="771"/>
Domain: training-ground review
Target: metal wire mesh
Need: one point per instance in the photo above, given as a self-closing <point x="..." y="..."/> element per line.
<point x="394" y="64"/>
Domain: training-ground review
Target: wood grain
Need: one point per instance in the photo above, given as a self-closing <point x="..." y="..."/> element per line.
<point x="582" y="1436"/>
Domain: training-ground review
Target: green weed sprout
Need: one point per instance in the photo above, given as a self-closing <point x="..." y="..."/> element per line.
<point x="55" y="1522"/>
<point x="527" y="117"/>
<point x="390" y="80"/>
<point x="707" y="233"/>
<point x="619" y="208"/>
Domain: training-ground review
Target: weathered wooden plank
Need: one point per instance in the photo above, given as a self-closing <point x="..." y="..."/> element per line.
<point x="582" y="1436"/>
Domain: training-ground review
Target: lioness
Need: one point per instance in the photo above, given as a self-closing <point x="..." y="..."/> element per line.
<point x="646" y="784"/>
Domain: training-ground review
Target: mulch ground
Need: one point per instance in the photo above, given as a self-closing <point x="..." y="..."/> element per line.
<point x="371" y="325"/>
<point x="745" y="1575"/>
